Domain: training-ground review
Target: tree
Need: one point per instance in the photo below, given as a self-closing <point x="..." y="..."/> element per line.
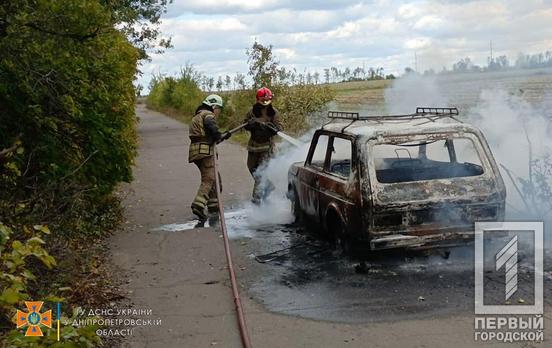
<point x="239" y="79"/>
<point x="139" y="20"/>
<point x="327" y="75"/>
<point x="346" y="74"/>
<point x="189" y="72"/>
<point x="357" y="73"/>
<point x="228" y="82"/>
<point x="335" y="73"/>
<point x="67" y="123"/>
<point x="463" y="65"/>
<point x="372" y="73"/>
<point x="379" y="72"/>
<point x="262" y="65"/>
<point x="139" y="88"/>
<point x="220" y="83"/>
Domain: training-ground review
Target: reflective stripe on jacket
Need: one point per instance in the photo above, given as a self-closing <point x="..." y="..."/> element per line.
<point x="261" y="139"/>
<point x="201" y="141"/>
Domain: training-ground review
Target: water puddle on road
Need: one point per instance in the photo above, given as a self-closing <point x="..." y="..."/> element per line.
<point x="234" y="220"/>
<point x="297" y="273"/>
<point x="244" y="222"/>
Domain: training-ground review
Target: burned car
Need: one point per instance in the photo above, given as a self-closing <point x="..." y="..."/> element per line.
<point x="404" y="181"/>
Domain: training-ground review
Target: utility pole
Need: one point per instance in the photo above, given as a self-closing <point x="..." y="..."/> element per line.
<point x="415" y="61"/>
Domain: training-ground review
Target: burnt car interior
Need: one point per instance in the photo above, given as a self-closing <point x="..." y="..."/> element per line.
<point x="437" y="159"/>
<point x="340" y="156"/>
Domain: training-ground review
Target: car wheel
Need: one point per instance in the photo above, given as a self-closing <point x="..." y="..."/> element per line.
<point x="340" y="240"/>
<point x="296" y="209"/>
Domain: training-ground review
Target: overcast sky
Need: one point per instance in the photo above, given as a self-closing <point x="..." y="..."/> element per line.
<point x="214" y="34"/>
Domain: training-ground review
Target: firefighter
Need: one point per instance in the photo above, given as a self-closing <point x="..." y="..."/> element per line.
<point x="204" y="133"/>
<point x="263" y="122"/>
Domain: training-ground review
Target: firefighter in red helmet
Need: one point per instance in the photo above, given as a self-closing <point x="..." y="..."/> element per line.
<point x="263" y="122"/>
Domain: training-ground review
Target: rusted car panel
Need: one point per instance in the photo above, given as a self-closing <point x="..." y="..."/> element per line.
<point x="399" y="183"/>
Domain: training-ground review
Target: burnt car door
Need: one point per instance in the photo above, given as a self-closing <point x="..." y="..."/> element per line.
<point x="339" y="185"/>
<point x="309" y="176"/>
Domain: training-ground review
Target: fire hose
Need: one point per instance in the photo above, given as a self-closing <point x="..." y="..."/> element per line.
<point x="244" y="334"/>
<point x="282" y="135"/>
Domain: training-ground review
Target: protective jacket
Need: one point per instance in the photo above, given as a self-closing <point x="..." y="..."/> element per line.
<point x="204" y="132"/>
<point x="262" y="131"/>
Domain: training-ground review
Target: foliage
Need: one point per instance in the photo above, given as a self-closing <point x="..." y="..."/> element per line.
<point x="296" y="99"/>
<point x="15" y="255"/>
<point x="297" y="103"/>
<point x="139" y="20"/>
<point x="70" y="336"/>
<point x="67" y="129"/>
<point x="181" y="94"/>
<point x="536" y="189"/>
<point x="263" y="66"/>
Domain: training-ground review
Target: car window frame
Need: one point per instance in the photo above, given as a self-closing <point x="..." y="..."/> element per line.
<point x="474" y="137"/>
<point x="312" y="148"/>
<point x="329" y="154"/>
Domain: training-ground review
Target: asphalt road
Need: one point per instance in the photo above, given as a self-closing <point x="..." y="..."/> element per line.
<point x="307" y="297"/>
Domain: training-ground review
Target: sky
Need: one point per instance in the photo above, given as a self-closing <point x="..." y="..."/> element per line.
<point x="308" y="35"/>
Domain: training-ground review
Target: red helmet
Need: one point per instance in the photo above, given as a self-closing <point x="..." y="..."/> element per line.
<point x="264" y="93"/>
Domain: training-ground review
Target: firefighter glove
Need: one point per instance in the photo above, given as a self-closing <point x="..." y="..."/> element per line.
<point x="272" y="128"/>
<point x="252" y="123"/>
<point x="225" y="136"/>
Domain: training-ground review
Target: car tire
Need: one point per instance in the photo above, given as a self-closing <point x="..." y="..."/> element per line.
<point x="340" y="240"/>
<point x="296" y="209"/>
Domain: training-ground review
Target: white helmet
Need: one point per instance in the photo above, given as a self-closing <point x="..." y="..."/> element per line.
<point x="214" y="100"/>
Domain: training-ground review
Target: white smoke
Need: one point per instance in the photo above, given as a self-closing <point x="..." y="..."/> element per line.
<point x="412" y="91"/>
<point x="277" y="208"/>
<point x="517" y="131"/>
<point x="508" y="120"/>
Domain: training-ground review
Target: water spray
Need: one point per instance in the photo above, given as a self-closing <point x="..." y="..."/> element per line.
<point x="283" y="135"/>
<point x="286" y="137"/>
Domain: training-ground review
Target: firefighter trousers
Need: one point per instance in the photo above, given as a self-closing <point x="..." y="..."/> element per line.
<point x="206" y="197"/>
<point x="256" y="162"/>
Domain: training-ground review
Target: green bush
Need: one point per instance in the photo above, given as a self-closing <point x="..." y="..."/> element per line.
<point x="67" y="133"/>
<point x="176" y="94"/>
<point x="298" y="103"/>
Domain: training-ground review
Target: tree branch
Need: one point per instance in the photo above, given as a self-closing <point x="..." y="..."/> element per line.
<point x="8" y="151"/>
<point x="78" y="37"/>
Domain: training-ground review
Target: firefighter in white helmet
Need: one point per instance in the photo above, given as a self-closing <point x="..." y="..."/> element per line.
<point x="204" y="133"/>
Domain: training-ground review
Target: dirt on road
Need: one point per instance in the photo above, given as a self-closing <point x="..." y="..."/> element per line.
<point x="302" y="297"/>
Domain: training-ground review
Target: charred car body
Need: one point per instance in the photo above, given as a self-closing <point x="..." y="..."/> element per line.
<point x="412" y="181"/>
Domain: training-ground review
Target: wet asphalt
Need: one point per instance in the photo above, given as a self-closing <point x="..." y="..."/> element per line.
<point x="295" y="271"/>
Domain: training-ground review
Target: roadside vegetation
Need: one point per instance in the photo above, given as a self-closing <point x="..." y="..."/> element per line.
<point x="297" y="101"/>
<point x="67" y="138"/>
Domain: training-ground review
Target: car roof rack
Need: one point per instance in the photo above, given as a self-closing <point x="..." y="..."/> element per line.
<point x="432" y="114"/>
